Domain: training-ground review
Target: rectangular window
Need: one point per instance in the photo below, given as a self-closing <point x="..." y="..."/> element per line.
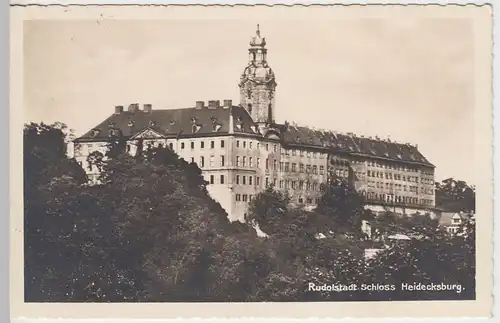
<point x="309" y="200"/>
<point x="237" y="179"/>
<point x="182" y="145"/>
<point x="250" y="162"/>
<point x="275" y="148"/>
<point x="281" y="166"/>
<point x="244" y="161"/>
<point x="222" y="179"/>
<point x="275" y="164"/>
<point x="267" y="181"/>
<point x="250" y="180"/>
<point x="211" y="179"/>
<point x="294" y="167"/>
<point x="267" y="164"/>
<point x="237" y="161"/>
<point x="212" y="161"/>
<point x="281" y="184"/>
<point x="258" y="162"/>
<point x="257" y="181"/>
<point x="244" y="180"/>
<point x="237" y="143"/>
<point x="238" y="197"/>
<point x="315" y="169"/>
<point x="250" y="198"/>
<point x="287" y="167"/>
<point x="222" y="161"/>
<point x="322" y="170"/>
<point x="250" y="146"/>
<point x="267" y="147"/>
<point x="222" y="143"/>
<point x="245" y="197"/>
<point x="192" y="159"/>
<point x="258" y="145"/>
<point x="202" y="144"/>
<point x="192" y="144"/>
<point x="301" y="167"/>
<point x="244" y="144"/>
<point x="212" y="144"/>
<point x="202" y="162"/>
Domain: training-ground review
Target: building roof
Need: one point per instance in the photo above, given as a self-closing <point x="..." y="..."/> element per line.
<point x="446" y="217"/>
<point x="214" y="121"/>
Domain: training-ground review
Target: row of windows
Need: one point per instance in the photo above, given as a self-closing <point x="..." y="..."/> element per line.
<point x="201" y="163"/>
<point x="395" y="198"/>
<point x="399" y="187"/>
<point x="243" y="180"/>
<point x="301" y="153"/>
<point x="222" y="179"/>
<point x="308" y="169"/>
<point x="244" y="197"/>
<point x="308" y="200"/>
<point x="299" y="185"/>
<point x="398" y="177"/>
<point x="202" y="144"/>
<point x="405" y="168"/>
<point x="243" y="144"/>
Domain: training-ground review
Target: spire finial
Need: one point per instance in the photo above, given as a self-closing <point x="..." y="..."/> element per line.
<point x="258" y="31"/>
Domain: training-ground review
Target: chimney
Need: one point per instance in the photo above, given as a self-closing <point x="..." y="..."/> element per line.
<point x="200" y="105"/>
<point x="147" y="108"/>
<point x="118" y="109"/>
<point x="213" y="104"/>
<point x="134" y="107"/>
<point x="228" y="103"/>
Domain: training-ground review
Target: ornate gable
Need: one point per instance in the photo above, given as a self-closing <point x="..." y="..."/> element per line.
<point x="149" y="133"/>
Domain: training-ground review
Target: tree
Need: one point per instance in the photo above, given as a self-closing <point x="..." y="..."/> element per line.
<point x="342" y="205"/>
<point x="455" y="196"/>
<point x="66" y="237"/>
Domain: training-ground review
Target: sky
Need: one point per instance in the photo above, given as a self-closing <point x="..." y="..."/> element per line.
<point x="408" y="79"/>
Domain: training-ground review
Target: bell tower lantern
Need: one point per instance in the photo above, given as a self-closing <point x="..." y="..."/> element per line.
<point x="257" y="83"/>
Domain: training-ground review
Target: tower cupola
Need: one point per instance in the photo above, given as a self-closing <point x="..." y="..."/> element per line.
<point x="257" y="82"/>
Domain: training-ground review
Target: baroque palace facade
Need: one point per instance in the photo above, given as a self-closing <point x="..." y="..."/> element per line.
<point x="242" y="150"/>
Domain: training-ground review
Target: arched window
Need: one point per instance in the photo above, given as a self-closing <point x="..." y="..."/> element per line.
<point x="249" y="108"/>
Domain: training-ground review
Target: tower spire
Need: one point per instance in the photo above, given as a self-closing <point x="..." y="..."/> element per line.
<point x="257" y="83"/>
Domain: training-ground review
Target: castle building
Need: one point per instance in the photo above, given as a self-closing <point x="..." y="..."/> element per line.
<point x="242" y="150"/>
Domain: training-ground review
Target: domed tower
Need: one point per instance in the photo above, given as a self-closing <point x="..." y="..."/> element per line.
<point x="257" y="83"/>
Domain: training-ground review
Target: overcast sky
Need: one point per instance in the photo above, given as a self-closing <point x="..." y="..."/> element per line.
<point x="410" y="79"/>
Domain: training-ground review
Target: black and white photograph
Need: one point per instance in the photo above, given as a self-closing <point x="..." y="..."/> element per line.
<point x="255" y="154"/>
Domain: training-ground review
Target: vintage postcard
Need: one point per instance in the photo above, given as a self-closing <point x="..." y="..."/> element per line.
<point x="251" y="161"/>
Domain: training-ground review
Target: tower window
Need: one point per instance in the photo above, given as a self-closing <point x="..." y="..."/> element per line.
<point x="249" y="108"/>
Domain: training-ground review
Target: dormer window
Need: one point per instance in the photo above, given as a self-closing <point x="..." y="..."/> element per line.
<point x="193" y="120"/>
<point x="152" y="123"/>
<point x="217" y="127"/>
<point x="196" y="128"/>
<point x="239" y="126"/>
<point x="214" y="119"/>
<point x="95" y="132"/>
<point x="399" y="156"/>
<point x="130" y="123"/>
<point x="172" y="122"/>
<point x="253" y="128"/>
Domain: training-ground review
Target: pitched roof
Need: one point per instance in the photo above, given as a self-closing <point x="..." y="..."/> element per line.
<point x="446" y="217"/>
<point x="172" y="122"/>
<point x="352" y="144"/>
<point x="216" y="121"/>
